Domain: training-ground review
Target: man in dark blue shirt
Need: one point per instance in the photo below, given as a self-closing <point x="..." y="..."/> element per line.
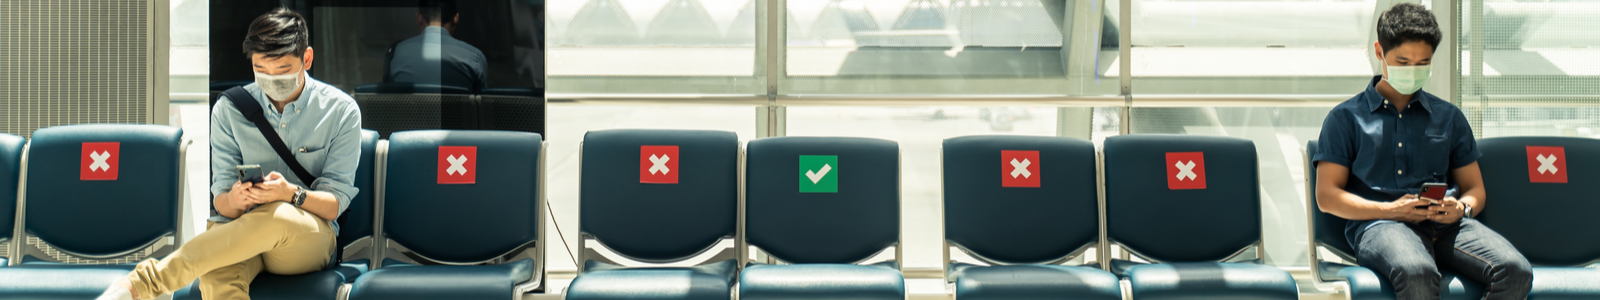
<point x="436" y="57"/>
<point x="1378" y="149"/>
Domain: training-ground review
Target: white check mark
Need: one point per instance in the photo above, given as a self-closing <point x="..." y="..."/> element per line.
<point x="817" y="176"/>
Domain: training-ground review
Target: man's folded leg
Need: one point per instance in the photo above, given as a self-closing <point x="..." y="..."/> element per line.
<point x="262" y="230"/>
<point x="230" y="282"/>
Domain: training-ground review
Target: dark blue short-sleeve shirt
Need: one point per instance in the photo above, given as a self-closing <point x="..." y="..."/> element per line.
<point x="1391" y="154"/>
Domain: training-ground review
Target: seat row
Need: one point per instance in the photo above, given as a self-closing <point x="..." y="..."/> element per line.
<point x="677" y="214"/>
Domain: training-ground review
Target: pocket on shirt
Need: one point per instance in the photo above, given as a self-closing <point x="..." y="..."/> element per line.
<point x="311" y="158"/>
<point x="1435" y="155"/>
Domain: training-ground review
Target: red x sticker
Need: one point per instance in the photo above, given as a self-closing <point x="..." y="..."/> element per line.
<point x="1547" y="164"/>
<point x="458" y="164"/>
<point x="1019" y="168"/>
<point x="1186" y="170"/>
<point x="99" y="161"/>
<point x="658" y="164"/>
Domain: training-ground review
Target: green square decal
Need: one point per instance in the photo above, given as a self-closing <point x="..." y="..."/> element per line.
<point x="819" y="173"/>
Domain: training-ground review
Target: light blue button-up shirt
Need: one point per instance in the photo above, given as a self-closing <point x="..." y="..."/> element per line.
<point x="322" y="128"/>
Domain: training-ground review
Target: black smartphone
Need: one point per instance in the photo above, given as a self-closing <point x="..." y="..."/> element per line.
<point x="250" y="173"/>
<point x="1433" y="192"/>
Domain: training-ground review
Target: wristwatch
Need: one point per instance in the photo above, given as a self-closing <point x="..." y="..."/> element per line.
<point x="299" y="196"/>
<point x="1466" y="212"/>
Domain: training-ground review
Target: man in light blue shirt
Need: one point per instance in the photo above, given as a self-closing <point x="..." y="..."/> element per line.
<point x="435" y="57"/>
<point x="281" y="225"/>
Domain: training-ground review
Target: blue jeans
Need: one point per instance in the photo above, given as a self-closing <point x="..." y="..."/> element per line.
<point x="1410" y="256"/>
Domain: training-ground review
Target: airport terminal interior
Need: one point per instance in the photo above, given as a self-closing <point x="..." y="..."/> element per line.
<point x="910" y="84"/>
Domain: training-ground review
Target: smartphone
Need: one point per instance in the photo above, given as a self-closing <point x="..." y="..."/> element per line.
<point x="250" y="173"/>
<point x="1433" y="192"/>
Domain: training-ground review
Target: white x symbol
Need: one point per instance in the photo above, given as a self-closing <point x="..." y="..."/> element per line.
<point x="1547" y="163"/>
<point x="99" y="161"/>
<point x="659" y="164"/>
<point x="456" y="165"/>
<point x="1185" y="170"/>
<point x="1020" y="168"/>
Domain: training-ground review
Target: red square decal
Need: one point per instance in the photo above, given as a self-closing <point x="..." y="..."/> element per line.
<point x="1019" y="168"/>
<point x="99" y="161"/>
<point x="1547" y="164"/>
<point x="658" y="164"/>
<point x="1186" y="170"/>
<point x="458" y="164"/>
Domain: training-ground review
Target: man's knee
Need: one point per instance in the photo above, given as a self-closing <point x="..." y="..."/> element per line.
<point x="1415" y="272"/>
<point x="1515" y="271"/>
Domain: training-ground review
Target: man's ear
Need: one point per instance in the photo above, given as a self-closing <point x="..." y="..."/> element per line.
<point x="308" y="58"/>
<point x="456" y="20"/>
<point x="1377" y="50"/>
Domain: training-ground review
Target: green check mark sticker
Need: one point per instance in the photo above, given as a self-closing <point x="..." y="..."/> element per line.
<point x="819" y="173"/>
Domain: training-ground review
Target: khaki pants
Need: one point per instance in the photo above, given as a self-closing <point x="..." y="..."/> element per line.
<point x="277" y="237"/>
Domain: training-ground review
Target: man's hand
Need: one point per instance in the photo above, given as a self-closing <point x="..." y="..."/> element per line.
<point x="1405" y="209"/>
<point x="240" y="194"/>
<point x="1449" y="211"/>
<point x="275" y="188"/>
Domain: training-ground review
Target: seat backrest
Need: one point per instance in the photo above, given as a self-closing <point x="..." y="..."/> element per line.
<point x="463" y="196"/>
<point x="1326" y="229"/>
<point x="850" y="212"/>
<point x="659" y="195"/>
<point x="79" y="178"/>
<point x="10" y="171"/>
<point x="1541" y="196"/>
<point x="1040" y="208"/>
<point x="397" y="106"/>
<point x="355" y="223"/>
<point x="1182" y="198"/>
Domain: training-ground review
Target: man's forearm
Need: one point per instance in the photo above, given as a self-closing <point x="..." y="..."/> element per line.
<point x="224" y="205"/>
<point x="323" y="204"/>
<point x="1350" y="206"/>
<point x="1474" y="197"/>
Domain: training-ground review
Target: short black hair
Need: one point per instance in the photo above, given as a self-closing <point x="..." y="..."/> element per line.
<point x="277" y="33"/>
<point x="1407" y="22"/>
<point x="443" y="11"/>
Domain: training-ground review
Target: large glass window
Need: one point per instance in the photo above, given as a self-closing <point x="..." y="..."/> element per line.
<point x="920" y="47"/>
<point x="1531" y="68"/>
<point x="1251" y="46"/>
<point x="654" y="46"/>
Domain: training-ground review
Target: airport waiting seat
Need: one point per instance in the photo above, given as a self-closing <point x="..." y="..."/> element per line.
<point x="217" y="87"/>
<point x="1327" y="232"/>
<point x="354" y="244"/>
<point x="1024" y="222"/>
<point x="650" y="198"/>
<point x="82" y="230"/>
<point x="11" y="148"/>
<point x="513" y="109"/>
<point x="822" y="206"/>
<point x="396" y="106"/>
<point x="1541" y="198"/>
<point x="1190" y="205"/>
<point x="460" y="213"/>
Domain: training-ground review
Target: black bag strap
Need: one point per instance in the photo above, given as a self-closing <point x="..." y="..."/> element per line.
<point x="251" y="109"/>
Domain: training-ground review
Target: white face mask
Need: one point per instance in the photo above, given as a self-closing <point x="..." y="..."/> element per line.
<point x="1407" y="79"/>
<point x="279" y="87"/>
